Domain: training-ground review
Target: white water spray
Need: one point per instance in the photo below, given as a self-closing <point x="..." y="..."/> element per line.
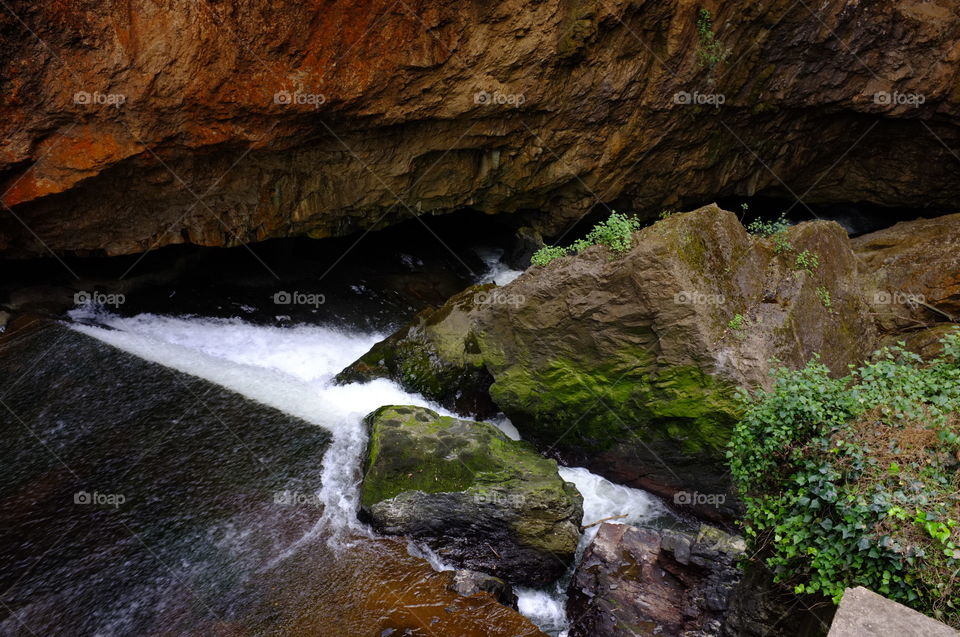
<point x="290" y="369"/>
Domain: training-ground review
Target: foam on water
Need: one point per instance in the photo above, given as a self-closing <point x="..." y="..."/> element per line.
<point x="498" y="272"/>
<point x="604" y="499"/>
<point x="290" y="369"/>
<point x="544" y="608"/>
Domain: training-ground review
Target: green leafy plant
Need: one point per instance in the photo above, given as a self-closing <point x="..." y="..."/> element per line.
<point x="710" y="51"/>
<point x="768" y="228"/>
<point x="824" y="295"/>
<point x="738" y="322"/>
<point x="780" y="243"/>
<point x="616" y="233"/>
<point x="853" y="481"/>
<point x="664" y="214"/>
<point x="546" y="254"/>
<point x="807" y="260"/>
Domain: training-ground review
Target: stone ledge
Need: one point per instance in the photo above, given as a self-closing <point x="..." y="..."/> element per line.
<point x="863" y="613"/>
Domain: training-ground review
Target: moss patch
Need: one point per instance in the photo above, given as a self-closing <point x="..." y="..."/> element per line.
<point x="415" y="449"/>
<point x="590" y="408"/>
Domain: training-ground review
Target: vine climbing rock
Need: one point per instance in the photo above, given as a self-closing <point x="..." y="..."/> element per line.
<point x="477" y="498"/>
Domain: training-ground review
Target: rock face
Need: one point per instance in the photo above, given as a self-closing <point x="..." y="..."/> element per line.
<point x="629" y="364"/>
<point x="913" y="272"/>
<point x="635" y="581"/>
<point x="127" y="127"/>
<point x="479" y="499"/>
<point x="432" y="355"/>
<point x="863" y="613"/>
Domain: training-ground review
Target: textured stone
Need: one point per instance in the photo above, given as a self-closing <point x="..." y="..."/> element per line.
<point x="467" y="582"/>
<point x="477" y="498"/>
<point x="430" y="106"/>
<point x="637" y="581"/>
<point x="627" y="363"/>
<point x="863" y="613"/>
<point x="912" y="272"/>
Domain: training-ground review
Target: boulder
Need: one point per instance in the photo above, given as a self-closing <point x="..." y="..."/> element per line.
<point x="478" y="499"/>
<point x="432" y="356"/>
<point x="642" y="581"/>
<point x="912" y="272"/>
<point x="863" y="613"/>
<point x="629" y="364"/>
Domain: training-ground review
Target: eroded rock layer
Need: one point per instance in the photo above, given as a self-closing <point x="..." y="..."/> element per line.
<point x="131" y="125"/>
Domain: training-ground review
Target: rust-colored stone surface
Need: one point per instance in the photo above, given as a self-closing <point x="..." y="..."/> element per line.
<point x="129" y="125"/>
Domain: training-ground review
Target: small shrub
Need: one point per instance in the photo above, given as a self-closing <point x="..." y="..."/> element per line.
<point x="824" y="295"/>
<point x="768" y="228"/>
<point x="808" y="261"/>
<point x="738" y="322"/>
<point x="780" y="243"/>
<point x="710" y="51"/>
<point x="616" y="233"/>
<point x="853" y="481"/>
<point x="546" y="254"/>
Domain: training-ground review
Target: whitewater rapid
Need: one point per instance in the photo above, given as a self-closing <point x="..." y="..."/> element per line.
<point x="292" y="370"/>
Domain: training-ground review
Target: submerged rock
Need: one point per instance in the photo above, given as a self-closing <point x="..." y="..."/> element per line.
<point x="641" y="581"/>
<point x="629" y="365"/>
<point x="477" y="498"/>
<point x="467" y="582"/>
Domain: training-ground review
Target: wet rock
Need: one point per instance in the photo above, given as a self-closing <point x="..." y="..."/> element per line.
<point x="431" y="357"/>
<point x="912" y="272"/>
<point x="327" y="114"/>
<point x="480" y="500"/>
<point x="466" y="582"/>
<point x="629" y="364"/>
<point x="642" y="581"/>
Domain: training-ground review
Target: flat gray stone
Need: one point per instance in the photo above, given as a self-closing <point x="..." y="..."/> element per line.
<point x="863" y="613"/>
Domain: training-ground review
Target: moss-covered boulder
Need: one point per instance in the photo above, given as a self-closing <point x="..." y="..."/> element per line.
<point x="434" y="357"/>
<point x="628" y="363"/>
<point x="477" y="498"/>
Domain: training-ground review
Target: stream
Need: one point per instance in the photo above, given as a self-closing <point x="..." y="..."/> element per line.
<point x="230" y="518"/>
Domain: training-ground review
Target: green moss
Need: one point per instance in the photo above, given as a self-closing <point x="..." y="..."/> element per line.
<point x="571" y="405"/>
<point x="415" y="449"/>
